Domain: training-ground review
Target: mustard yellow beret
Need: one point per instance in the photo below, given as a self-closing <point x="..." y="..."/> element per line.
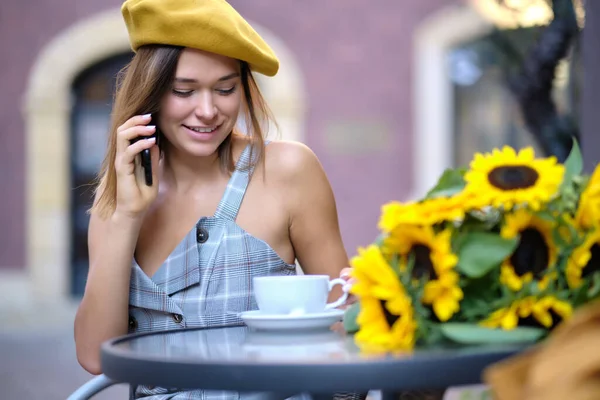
<point x="209" y="25"/>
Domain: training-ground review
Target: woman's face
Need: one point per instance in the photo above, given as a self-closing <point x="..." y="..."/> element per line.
<point x="202" y="107"/>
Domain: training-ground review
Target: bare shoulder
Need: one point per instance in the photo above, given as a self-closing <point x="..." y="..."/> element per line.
<point x="289" y="160"/>
<point x="310" y="204"/>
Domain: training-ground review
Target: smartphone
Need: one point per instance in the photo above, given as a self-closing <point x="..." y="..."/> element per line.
<point x="146" y="159"/>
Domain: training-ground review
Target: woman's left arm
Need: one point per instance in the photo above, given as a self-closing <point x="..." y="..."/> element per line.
<point x="313" y="226"/>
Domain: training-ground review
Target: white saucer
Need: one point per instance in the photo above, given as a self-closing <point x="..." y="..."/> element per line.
<point x="261" y="321"/>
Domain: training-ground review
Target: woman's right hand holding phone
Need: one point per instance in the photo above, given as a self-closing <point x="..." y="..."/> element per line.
<point x="134" y="197"/>
<point x="103" y="312"/>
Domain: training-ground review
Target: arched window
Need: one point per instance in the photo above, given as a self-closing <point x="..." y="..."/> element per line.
<point x="92" y="92"/>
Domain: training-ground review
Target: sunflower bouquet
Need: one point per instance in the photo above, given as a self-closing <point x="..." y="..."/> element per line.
<point x="502" y="251"/>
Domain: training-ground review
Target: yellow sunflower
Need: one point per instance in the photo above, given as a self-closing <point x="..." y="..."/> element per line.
<point x="376" y="278"/>
<point x="382" y="329"/>
<point x="432" y="252"/>
<point x="434" y="260"/>
<point x="588" y="209"/>
<point x="506" y="318"/>
<point x="426" y="212"/>
<point x="444" y="295"/>
<point x="506" y="178"/>
<point x="584" y="261"/>
<point x="535" y="253"/>
<point x="540" y="310"/>
<point x="386" y="317"/>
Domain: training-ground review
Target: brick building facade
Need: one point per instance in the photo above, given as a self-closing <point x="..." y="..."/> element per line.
<point x="356" y="77"/>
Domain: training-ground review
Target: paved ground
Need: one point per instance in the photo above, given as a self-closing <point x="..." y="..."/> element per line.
<point x="37" y="354"/>
<point x="43" y="366"/>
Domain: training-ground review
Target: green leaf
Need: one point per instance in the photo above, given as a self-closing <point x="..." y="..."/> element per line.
<point x="579" y="296"/>
<point x="473" y="334"/>
<point x="350" y="316"/>
<point x="480" y="252"/>
<point x="380" y="239"/>
<point x="546" y="215"/>
<point x="431" y="333"/>
<point x="450" y="183"/>
<point x="594" y="290"/>
<point x="573" y="164"/>
<point x="558" y="238"/>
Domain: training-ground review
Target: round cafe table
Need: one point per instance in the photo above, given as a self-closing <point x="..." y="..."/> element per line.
<point x="318" y="362"/>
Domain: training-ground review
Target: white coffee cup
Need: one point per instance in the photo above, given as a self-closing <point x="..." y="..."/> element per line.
<point x="297" y="294"/>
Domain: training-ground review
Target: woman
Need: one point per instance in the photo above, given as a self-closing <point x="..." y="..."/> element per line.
<point x="222" y="207"/>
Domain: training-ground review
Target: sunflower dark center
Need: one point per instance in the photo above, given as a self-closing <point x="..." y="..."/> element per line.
<point x="532" y="254"/>
<point x="594" y="264"/>
<point x="513" y="177"/>
<point x="423" y="266"/>
<point x="389" y="317"/>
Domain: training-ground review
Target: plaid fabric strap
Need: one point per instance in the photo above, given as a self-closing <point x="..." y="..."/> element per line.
<point x="236" y="188"/>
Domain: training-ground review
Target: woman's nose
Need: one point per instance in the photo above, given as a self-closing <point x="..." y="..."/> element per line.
<point x="206" y="109"/>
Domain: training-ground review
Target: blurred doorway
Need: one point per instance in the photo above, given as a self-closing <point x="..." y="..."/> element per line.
<point x="93" y="91"/>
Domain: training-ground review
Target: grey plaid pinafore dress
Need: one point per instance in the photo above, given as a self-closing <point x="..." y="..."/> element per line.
<point x="206" y="281"/>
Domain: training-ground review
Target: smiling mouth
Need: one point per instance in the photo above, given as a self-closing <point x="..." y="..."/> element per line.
<point x="207" y="129"/>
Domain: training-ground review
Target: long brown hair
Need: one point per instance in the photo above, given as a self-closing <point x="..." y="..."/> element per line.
<point x="141" y="85"/>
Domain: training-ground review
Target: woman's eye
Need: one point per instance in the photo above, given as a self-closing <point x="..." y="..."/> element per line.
<point x="226" y="92"/>
<point x="182" y="93"/>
